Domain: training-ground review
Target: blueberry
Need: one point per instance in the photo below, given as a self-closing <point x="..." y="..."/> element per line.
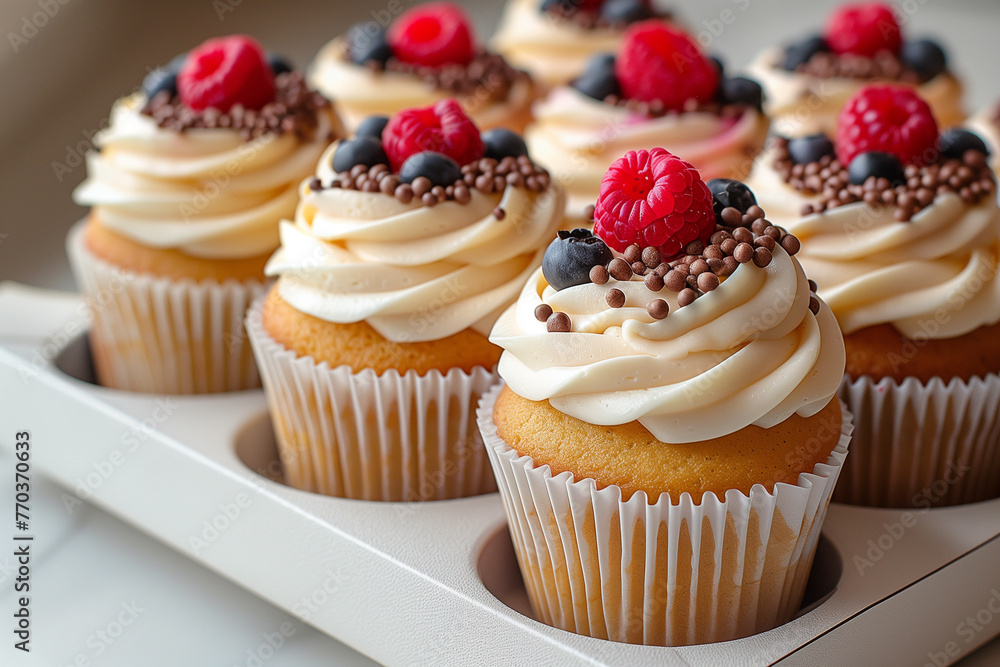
<point x="625" y="11"/>
<point x="372" y="127"/>
<point x="501" y="143"/>
<point x="439" y="168"/>
<point x="925" y="57"/>
<point x="727" y="192"/>
<point x="811" y="148"/>
<point x="164" y="78"/>
<point x="360" y="150"/>
<point x="719" y="64"/>
<point x="560" y="6"/>
<point x="741" y="90"/>
<point x="954" y="141"/>
<point x="598" y="79"/>
<point x="366" y="41"/>
<point x="877" y="164"/>
<point x="799" y="53"/>
<point x="159" y="80"/>
<point x="279" y="64"/>
<point x="569" y="258"/>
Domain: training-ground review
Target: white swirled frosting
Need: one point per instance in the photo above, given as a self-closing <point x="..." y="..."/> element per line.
<point x="554" y="50"/>
<point x="933" y="276"/>
<point x="800" y="104"/>
<point x="579" y="137"/>
<point x="749" y="352"/>
<point x="361" y="93"/>
<point x="205" y="192"/>
<point x="412" y="272"/>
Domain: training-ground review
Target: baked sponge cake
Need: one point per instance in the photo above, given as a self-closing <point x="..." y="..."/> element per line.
<point x="411" y="238"/>
<point x="669" y="377"/>
<point x="192" y="176"/>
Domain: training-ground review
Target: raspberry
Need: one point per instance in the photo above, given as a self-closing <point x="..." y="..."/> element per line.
<point x="433" y="34"/>
<point x="888" y="119"/>
<point x="660" y="62"/>
<point x="864" y="29"/>
<point x="442" y="128"/>
<point x="655" y="199"/>
<point x="226" y="71"/>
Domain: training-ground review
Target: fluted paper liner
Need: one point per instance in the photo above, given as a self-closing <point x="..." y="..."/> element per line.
<point x="159" y="335"/>
<point x="920" y="444"/>
<point x="398" y="437"/>
<point x="660" y="574"/>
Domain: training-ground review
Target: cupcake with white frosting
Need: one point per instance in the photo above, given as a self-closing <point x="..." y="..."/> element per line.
<point x="409" y="241"/>
<point x="659" y="90"/>
<point x="670" y="400"/>
<point x="904" y="244"/>
<point x="427" y="54"/>
<point x="809" y="81"/>
<point x="553" y="39"/>
<point x="192" y="176"/>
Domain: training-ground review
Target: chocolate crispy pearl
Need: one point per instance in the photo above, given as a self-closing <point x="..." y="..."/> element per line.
<point x="742" y="238"/>
<point x="487" y="72"/>
<point x="970" y="178"/>
<point x="587" y="19"/>
<point x="655" y="108"/>
<point x="295" y="109"/>
<point x="485" y="175"/>
<point x="884" y="66"/>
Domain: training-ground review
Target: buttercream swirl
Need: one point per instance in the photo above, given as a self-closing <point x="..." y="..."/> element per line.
<point x="749" y="352"/>
<point x="205" y="192"/>
<point x="580" y="136"/>
<point x="361" y="93"/>
<point x="554" y="50"/>
<point x="800" y="104"/>
<point x="412" y="272"/>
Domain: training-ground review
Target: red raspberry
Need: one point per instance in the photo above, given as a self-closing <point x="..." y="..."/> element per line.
<point x="443" y="128"/>
<point x="660" y="62"/>
<point x="434" y="34"/>
<point x="226" y="71"/>
<point x="889" y="119"/>
<point x="655" y="199"/>
<point x="864" y="29"/>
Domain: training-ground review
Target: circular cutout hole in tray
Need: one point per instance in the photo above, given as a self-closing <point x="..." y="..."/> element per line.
<point x="77" y="361"/>
<point x="257" y="448"/>
<point x="500" y="574"/>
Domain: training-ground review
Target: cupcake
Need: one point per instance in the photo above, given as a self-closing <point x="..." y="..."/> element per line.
<point x="668" y="435"/>
<point x="660" y="90"/>
<point x="807" y="82"/>
<point x="373" y="344"/>
<point x="905" y="246"/>
<point x="192" y="176"/>
<point x="986" y="124"/>
<point x="553" y="39"/>
<point x="428" y="53"/>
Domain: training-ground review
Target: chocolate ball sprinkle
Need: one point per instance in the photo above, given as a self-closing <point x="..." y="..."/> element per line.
<point x="761" y="257"/>
<point x="674" y="281"/>
<point x="654" y="282"/>
<point x="686" y="297"/>
<point x="658" y="309"/>
<point x="651" y="257"/>
<point x="633" y="253"/>
<point x="558" y="323"/>
<point x="707" y="282"/>
<point x="615" y="297"/>
<point x="814" y="305"/>
<point x="598" y="275"/>
<point x="542" y="312"/>
<point x="639" y="268"/>
<point x="619" y="269"/>
<point x="743" y="253"/>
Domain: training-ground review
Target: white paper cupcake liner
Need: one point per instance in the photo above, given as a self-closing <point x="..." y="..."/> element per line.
<point x="158" y="335"/>
<point x="396" y="437"/>
<point x="661" y="574"/>
<point x="922" y="445"/>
